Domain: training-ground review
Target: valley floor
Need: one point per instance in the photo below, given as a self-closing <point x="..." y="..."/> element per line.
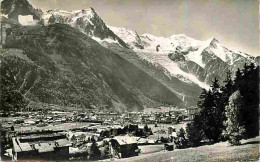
<point x="248" y="151"/>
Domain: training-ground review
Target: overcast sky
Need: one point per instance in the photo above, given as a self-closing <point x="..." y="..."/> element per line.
<point x="233" y="22"/>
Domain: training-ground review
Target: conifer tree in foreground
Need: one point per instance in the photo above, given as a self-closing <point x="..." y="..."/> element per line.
<point x="212" y="112"/>
<point x="194" y="132"/>
<point x="247" y="82"/>
<point x="234" y="124"/>
<point x="220" y="111"/>
<point x="228" y="88"/>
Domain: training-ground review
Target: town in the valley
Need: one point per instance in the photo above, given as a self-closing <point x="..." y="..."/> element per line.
<point x="57" y="134"/>
<point x="137" y="80"/>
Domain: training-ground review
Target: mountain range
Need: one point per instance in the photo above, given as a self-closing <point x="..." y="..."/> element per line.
<point x="74" y="59"/>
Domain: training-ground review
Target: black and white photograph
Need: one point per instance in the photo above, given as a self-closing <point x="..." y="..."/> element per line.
<point x="129" y="80"/>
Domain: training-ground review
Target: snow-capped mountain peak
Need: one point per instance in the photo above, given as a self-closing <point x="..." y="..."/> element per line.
<point x="213" y="41"/>
<point x="228" y="55"/>
<point x="86" y="21"/>
<point x="72" y="16"/>
<point x="129" y="36"/>
<point x="175" y="53"/>
<point x="190" y="48"/>
<point x="185" y="57"/>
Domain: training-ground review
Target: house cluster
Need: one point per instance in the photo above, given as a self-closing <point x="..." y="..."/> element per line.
<point x="40" y="118"/>
<point x="147" y="116"/>
<point x="110" y="141"/>
<point x="40" y="145"/>
<point x="111" y="134"/>
<point x="192" y="111"/>
<point x="164" y="115"/>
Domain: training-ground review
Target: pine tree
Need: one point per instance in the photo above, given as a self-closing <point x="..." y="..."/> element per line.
<point x="234" y="123"/>
<point x="202" y="99"/>
<point x="194" y="132"/>
<point x="212" y="113"/>
<point x="219" y="106"/>
<point x="249" y="89"/>
<point x="215" y="86"/>
<point x="247" y="82"/>
<point x="206" y="115"/>
<point x="228" y="87"/>
<point x="238" y="79"/>
<point x="208" y="118"/>
<point x="217" y="115"/>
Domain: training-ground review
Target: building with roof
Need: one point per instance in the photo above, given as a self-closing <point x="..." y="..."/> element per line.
<point x="124" y="146"/>
<point x="40" y="147"/>
<point x="172" y="131"/>
<point x="192" y="111"/>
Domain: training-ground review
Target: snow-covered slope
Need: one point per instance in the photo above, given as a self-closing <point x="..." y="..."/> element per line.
<point x="171" y="68"/>
<point x="176" y="44"/>
<point x="190" y="48"/>
<point x="191" y="60"/>
<point x="188" y="59"/>
<point x="128" y="36"/>
<point x="145" y="47"/>
<point x="27" y="20"/>
<point x="87" y="21"/>
<point x="182" y="57"/>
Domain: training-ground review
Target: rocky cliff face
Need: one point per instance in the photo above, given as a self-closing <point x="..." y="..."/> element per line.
<point x="257" y="60"/>
<point x="14" y="8"/>
<point x="87" y="21"/>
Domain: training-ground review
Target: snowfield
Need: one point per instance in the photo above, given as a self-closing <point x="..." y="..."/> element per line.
<point x="27" y="20"/>
<point x="161" y="58"/>
<point x="151" y="48"/>
<point x="130" y="36"/>
<point x="86" y="14"/>
<point x="156" y="50"/>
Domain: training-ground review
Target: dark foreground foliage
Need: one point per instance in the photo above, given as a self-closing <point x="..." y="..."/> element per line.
<point x="220" y="112"/>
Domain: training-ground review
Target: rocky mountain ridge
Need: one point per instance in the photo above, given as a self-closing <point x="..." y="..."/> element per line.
<point x="130" y="72"/>
<point x="13" y="8"/>
<point x="87" y="21"/>
<point x="191" y="59"/>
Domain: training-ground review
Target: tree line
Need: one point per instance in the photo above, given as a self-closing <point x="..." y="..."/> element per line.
<point x="228" y="112"/>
